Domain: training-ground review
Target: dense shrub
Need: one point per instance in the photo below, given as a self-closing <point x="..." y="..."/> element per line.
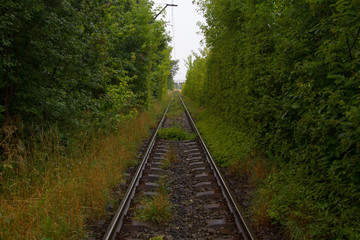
<point x="287" y="73"/>
<point x="75" y="79"/>
<point x="65" y="61"/>
<point x="195" y="77"/>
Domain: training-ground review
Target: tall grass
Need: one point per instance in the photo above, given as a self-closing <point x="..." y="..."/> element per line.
<point x="47" y="193"/>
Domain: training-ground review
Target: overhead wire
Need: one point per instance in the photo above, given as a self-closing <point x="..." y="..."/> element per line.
<point x="173" y="29"/>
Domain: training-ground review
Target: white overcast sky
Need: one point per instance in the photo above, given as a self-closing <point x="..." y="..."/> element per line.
<point x="186" y="37"/>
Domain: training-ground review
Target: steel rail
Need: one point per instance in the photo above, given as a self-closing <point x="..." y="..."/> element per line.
<point x="241" y="221"/>
<point x="116" y="221"/>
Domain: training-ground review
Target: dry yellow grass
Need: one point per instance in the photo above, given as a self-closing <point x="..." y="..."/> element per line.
<point x="260" y="216"/>
<point x="170" y="157"/>
<point x="252" y="166"/>
<point x="55" y="202"/>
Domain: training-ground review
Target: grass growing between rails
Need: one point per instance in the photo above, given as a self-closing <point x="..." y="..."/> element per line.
<point x="156" y="209"/>
<point x="50" y="195"/>
<point x="175" y="133"/>
<point x="170" y="157"/>
<point x="176" y="113"/>
<point x="176" y="109"/>
<point x="157" y="238"/>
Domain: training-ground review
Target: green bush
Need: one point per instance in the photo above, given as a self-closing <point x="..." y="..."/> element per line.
<point x="70" y="63"/>
<point x="286" y="73"/>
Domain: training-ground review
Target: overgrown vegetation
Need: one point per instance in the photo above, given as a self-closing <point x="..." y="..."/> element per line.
<point x="76" y="80"/>
<point x="175" y="133"/>
<point x="176" y="110"/>
<point x="170" y="157"/>
<point x="156" y="209"/>
<point x="52" y="195"/>
<point x="282" y="77"/>
<point x="68" y="62"/>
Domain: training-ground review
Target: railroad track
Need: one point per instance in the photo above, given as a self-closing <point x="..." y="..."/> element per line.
<point x="202" y="205"/>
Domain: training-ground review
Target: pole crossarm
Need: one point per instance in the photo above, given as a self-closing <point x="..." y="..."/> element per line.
<point x="167" y="5"/>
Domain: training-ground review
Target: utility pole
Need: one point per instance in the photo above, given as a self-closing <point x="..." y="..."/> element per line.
<point x="167" y="5"/>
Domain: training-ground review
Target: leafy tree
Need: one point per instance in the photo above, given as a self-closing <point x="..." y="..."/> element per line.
<point x="66" y="59"/>
<point x="287" y="73"/>
<point x="174" y="69"/>
<point x="77" y="66"/>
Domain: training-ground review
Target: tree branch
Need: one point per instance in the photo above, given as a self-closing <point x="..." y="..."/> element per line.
<point x="356" y="38"/>
<point x="349" y="48"/>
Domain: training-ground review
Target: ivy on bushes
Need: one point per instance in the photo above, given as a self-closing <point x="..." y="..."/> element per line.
<point x="287" y="73"/>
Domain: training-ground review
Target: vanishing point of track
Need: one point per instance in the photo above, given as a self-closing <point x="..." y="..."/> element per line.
<point x="212" y="211"/>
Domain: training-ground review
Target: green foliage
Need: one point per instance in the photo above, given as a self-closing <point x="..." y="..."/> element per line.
<point x="80" y="67"/>
<point x="175" y="133"/>
<point x="225" y="142"/>
<point x="195" y="76"/>
<point x="71" y="62"/>
<point x="286" y="73"/>
<point x="173" y="71"/>
<point x="73" y="70"/>
<point x="73" y="74"/>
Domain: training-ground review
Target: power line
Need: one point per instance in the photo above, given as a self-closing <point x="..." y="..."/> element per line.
<point x="173" y="28"/>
